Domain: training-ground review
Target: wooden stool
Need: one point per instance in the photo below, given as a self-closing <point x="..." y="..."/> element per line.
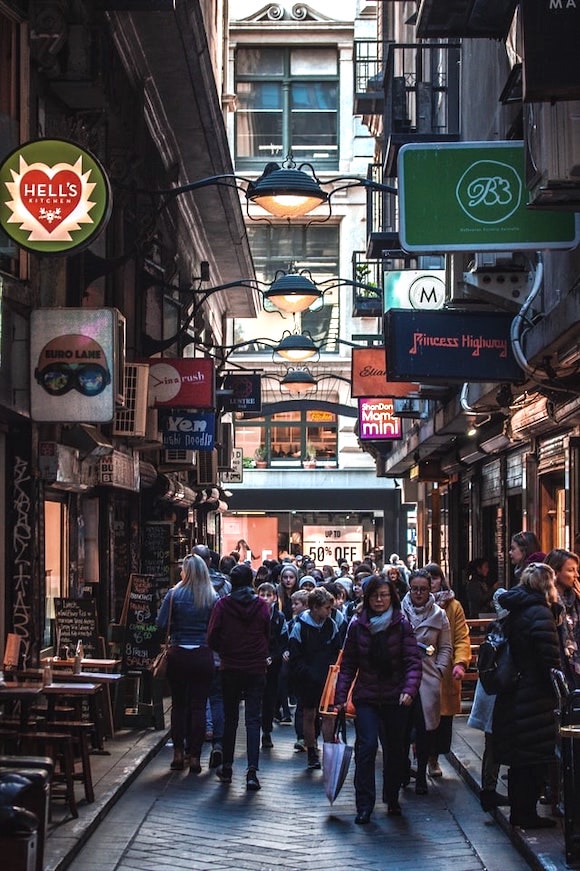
<point x="59" y="747"/>
<point x="80" y="732"/>
<point x="8" y="740"/>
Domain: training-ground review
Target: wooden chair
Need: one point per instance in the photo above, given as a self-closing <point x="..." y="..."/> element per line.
<point x="58" y="746"/>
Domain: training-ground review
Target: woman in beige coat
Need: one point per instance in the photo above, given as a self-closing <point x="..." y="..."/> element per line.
<point x="431" y="628"/>
<point x="451" y="683"/>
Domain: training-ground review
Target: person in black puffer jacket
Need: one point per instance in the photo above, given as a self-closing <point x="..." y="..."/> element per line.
<point x="524" y="725"/>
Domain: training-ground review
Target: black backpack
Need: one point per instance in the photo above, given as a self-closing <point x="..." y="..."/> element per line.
<point x="495" y="664"/>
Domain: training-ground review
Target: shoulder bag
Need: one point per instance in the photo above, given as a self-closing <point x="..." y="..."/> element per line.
<point x="158" y="667"/>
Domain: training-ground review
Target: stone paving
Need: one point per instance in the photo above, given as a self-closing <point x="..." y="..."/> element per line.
<point x="178" y="820"/>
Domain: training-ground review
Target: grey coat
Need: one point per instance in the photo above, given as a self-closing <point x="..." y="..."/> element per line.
<point x="431" y="627"/>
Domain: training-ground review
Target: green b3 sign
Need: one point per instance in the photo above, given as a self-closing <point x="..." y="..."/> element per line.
<point x="54" y="196"/>
<point x="471" y="196"/>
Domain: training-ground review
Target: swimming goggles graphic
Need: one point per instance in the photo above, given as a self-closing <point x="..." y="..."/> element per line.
<point x="90" y="379"/>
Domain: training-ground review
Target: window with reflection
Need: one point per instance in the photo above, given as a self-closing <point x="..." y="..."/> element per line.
<point x="313" y="248"/>
<point x="287" y="103"/>
<point x="290" y="438"/>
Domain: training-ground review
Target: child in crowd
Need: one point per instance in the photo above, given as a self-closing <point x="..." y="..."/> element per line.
<point x="278" y="644"/>
<point x="299" y="605"/>
<point x="314" y="646"/>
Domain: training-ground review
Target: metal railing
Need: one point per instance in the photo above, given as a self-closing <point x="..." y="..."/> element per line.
<point x="422" y="88"/>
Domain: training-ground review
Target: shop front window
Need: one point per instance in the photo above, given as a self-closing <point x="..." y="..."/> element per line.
<point x="289" y="438"/>
<point x="56" y="562"/>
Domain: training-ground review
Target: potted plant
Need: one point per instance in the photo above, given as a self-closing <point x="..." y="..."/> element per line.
<point x="310" y="460"/>
<point x="261" y="457"/>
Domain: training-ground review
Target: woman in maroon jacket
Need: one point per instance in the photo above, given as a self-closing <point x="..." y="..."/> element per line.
<point x="381" y="652"/>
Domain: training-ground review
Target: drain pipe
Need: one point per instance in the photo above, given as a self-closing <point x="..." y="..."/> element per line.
<point x="516" y="332"/>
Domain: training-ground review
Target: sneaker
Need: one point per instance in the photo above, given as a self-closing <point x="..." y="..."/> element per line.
<point x="224" y="774"/>
<point x="215" y="757"/>
<point x="267" y="741"/>
<point x="252" y="782"/>
<point x="433" y="767"/>
<point x="286" y="721"/>
<point x="313" y="758"/>
<point x="300" y="746"/>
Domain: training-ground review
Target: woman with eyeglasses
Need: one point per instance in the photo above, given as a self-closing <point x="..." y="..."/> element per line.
<point x="381" y="652"/>
<point x="524" y="726"/>
<point x="433" y="634"/>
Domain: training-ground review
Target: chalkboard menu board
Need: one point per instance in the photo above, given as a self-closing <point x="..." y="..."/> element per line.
<point x="142" y="638"/>
<point x="77" y="619"/>
<point x="156" y="554"/>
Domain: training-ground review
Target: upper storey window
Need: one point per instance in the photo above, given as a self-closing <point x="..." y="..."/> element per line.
<point x="287" y="104"/>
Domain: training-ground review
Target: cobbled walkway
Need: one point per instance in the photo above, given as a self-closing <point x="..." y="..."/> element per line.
<point x="174" y="820"/>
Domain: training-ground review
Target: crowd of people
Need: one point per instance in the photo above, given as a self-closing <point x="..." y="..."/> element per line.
<point x="268" y="637"/>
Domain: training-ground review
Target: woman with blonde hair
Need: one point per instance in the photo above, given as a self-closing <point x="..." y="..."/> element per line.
<point x="186" y="609"/>
<point x="524" y="726"/>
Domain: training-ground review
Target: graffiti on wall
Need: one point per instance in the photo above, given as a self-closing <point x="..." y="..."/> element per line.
<point x="22" y="620"/>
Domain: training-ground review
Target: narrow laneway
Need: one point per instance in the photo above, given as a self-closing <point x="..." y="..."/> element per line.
<point x="177" y="820"/>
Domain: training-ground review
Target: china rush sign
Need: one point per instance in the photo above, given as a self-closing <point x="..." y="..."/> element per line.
<point x="471" y="196"/>
<point x="449" y="346"/>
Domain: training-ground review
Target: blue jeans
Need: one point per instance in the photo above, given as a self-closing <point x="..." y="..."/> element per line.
<point x="387" y="723"/>
<point x="235" y="686"/>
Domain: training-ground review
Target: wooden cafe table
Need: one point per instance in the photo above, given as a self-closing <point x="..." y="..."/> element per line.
<point x="92" y="664"/>
<point x="104" y="679"/>
<point x="79" y="691"/>
<point x="25" y="693"/>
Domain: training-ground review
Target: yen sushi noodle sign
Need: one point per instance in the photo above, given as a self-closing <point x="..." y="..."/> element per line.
<point x="54" y="197"/>
<point x="472" y="196"/>
<point x="327" y="545"/>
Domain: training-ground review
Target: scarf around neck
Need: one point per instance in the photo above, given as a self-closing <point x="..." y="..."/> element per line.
<point x="415" y="615"/>
<point x="380" y="621"/>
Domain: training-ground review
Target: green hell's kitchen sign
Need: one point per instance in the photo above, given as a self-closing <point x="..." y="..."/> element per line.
<point x="54" y="196"/>
<point x="472" y="196"/>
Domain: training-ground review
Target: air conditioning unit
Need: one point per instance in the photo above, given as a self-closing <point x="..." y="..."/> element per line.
<point x="207" y="467"/>
<point x="552" y="138"/>
<point x="499" y="278"/>
<point x="535" y="418"/>
<point x="178" y="457"/>
<point x="131" y="421"/>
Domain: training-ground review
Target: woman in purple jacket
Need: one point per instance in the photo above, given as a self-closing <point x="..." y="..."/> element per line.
<point x="381" y="652"/>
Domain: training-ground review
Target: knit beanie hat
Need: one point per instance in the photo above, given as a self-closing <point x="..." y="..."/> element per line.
<point x="289" y="567"/>
<point x="307" y="579"/>
<point x="241" y="576"/>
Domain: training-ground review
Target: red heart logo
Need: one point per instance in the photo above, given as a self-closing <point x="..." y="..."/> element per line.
<point x="50" y="200"/>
